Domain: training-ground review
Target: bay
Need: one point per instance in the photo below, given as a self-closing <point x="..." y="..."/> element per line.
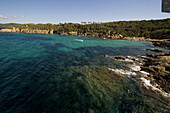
<point x="56" y="74"/>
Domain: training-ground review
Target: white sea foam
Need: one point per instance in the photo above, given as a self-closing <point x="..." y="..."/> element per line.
<point x="148" y="84"/>
<point x="128" y="60"/>
<point x="146" y="73"/>
<point x="135" y="67"/>
<point x="123" y="72"/>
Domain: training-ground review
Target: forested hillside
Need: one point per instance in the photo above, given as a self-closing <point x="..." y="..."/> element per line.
<point x="149" y="29"/>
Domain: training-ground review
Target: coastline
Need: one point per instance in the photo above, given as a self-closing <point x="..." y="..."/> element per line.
<point x="147" y="67"/>
<point x="158" y="66"/>
<point x="164" y="43"/>
<point x="152" y="72"/>
<point x="73" y="33"/>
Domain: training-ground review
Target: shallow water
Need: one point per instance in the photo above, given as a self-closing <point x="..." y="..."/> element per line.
<point x="52" y="73"/>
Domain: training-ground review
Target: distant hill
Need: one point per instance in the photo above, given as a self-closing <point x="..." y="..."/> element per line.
<point x="146" y="28"/>
<point x="8" y="24"/>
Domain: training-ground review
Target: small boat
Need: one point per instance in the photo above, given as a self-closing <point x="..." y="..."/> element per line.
<point x="79" y="40"/>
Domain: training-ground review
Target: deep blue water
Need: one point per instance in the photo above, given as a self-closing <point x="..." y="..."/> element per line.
<point x="2" y="28"/>
<point x="56" y="74"/>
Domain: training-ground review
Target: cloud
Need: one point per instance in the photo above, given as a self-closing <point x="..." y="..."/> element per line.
<point x="3" y="17"/>
<point x="14" y="16"/>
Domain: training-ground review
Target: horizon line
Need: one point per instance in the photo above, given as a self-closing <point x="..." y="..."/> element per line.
<point x="85" y="21"/>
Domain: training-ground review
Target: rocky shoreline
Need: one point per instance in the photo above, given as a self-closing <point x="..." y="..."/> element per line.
<point x="109" y="35"/>
<point x="164" y="43"/>
<point x="159" y="67"/>
<point x="17" y="30"/>
<point x="139" y="67"/>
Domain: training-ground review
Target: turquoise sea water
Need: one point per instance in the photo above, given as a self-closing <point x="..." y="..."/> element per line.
<point x="56" y="74"/>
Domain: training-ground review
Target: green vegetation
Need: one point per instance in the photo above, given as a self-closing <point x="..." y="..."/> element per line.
<point x="9" y="25"/>
<point x="150" y="29"/>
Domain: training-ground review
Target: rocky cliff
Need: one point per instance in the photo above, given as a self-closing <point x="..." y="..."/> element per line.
<point x="88" y="34"/>
<point x="109" y="35"/>
<point x="27" y="31"/>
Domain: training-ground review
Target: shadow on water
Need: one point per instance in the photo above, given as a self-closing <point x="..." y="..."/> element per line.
<point x="49" y="47"/>
<point x="30" y="38"/>
<point x="71" y="82"/>
<point x="99" y="50"/>
<point x="7" y="34"/>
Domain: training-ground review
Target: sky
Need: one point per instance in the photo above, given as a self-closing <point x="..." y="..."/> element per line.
<point x="76" y="11"/>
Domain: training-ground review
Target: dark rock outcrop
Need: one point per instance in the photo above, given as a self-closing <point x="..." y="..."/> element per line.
<point x="27" y="31"/>
<point x="155" y="50"/>
<point x="164" y="43"/>
<point x="159" y="67"/>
